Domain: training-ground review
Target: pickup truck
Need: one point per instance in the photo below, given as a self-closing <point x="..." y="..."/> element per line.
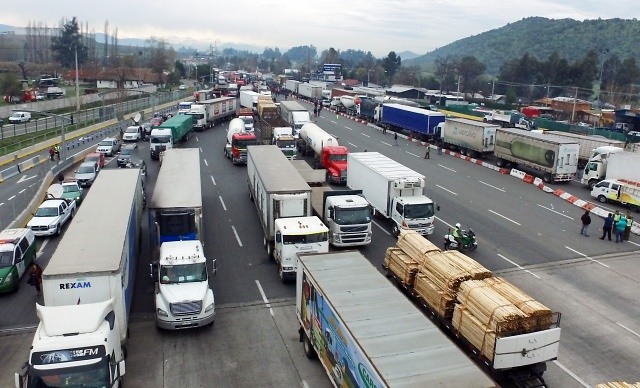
<point x="51" y="216"/>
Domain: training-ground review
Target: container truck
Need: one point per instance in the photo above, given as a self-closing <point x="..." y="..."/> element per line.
<point x="208" y="113"/>
<point x="587" y="144"/>
<point x="267" y="109"/>
<point x="267" y="124"/>
<point x="292" y="85"/>
<point x="283" y="202"/>
<point x="346" y="213"/>
<point x="611" y="163"/>
<point x="394" y="191"/>
<point x="623" y="191"/>
<point x="328" y="154"/>
<point x="509" y="119"/>
<point x="473" y="138"/>
<point x="88" y="288"/>
<point x="310" y="92"/>
<point x="422" y="123"/>
<point x="249" y="99"/>
<point x="294" y="114"/>
<point x="238" y="139"/>
<point x="169" y="134"/>
<point x="184" y="107"/>
<point x="556" y="157"/>
<point x="366" y="333"/>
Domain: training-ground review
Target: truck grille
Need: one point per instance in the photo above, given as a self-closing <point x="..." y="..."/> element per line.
<point x="351" y="229"/>
<point x="354" y="238"/>
<point x="186" y="308"/>
<point x="40" y="228"/>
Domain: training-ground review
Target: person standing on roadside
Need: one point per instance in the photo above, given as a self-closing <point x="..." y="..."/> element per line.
<point x="35" y="277"/>
<point x="426" y="154"/>
<point x="621" y="225"/>
<point x="627" y="229"/>
<point x="395" y="139"/>
<point x="616" y="217"/>
<point x="586" y="221"/>
<point x="606" y="228"/>
<point x="57" y="150"/>
<point x="52" y="152"/>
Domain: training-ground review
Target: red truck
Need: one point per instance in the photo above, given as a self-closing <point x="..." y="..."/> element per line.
<point x="328" y="153"/>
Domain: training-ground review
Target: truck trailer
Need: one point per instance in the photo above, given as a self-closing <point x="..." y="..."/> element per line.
<point x="283" y="202"/>
<point x="249" y="99"/>
<point x="366" y="333"/>
<point x="294" y="114"/>
<point x="88" y="289"/>
<point x="328" y="154"/>
<point x="292" y="85"/>
<point x="421" y="123"/>
<point x="169" y="134"/>
<point x="587" y="144"/>
<point x="310" y="91"/>
<point x="470" y="137"/>
<point x="206" y="114"/>
<point x="394" y="191"/>
<point x="556" y="157"/>
<point x="611" y="163"/>
<point x="346" y="213"/>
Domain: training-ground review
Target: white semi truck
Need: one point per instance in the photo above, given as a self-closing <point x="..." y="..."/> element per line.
<point x="366" y="333"/>
<point x="587" y="144"/>
<point x="346" y="213"/>
<point x="249" y="99"/>
<point x="283" y="201"/>
<point x="473" y="138"/>
<point x="394" y="191"/>
<point x="294" y="114"/>
<point x="208" y="113"/>
<point x="611" y="163"/>
<point x="88" y="288"/>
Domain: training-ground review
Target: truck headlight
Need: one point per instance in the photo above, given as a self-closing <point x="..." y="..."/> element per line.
<point x="52" y="226"/>
<point x="161" y="313"/>
<point x="209" y="308"/>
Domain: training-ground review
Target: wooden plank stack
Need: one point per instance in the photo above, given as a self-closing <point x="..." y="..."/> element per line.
<point x="416" y="246"/>
<point x="477" y="271"/>
<point x="401" y="264"/>
<point x="618" y="384"/>
<point x="438" y="299"/>
<point x="488" y="306"/>
<point x="539" y="316"/>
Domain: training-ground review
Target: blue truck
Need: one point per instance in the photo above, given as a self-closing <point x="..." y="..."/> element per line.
<point x="420" y="123"/>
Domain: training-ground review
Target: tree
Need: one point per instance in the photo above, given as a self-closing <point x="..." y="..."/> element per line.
<point x="470" y="69"/>
<point x="391" y="63"/>
<point x="446" y="69"/>
<point x="160" y="57"/>
<point x="67" y="42"/>
<point x="10" y="85"/>
<point x="180" y="69"/>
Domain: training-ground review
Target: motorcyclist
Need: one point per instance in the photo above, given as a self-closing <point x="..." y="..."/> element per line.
<point x="457" y="234"/>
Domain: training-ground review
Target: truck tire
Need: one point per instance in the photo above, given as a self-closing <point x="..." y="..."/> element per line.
<point x="592" y="183"/>
<point x="602" y="199"/>
<point x="268" y="247"/>
<point x="58" y="230"/>
<point x="395" y="231"/>
<point x="309" y="351"/>
<point x="281" y="274"/>
<point x="500" y="162"/>
<point x="547" y="178"/>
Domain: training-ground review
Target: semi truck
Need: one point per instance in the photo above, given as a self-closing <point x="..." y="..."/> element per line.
<point x="556" y="157"/>
<point x="369" y="109"/>
<point x="328" y="154"/>
<point x="208" y="113"/>
<point x="587" y="144"/>
<point x="283" y="138"/>
<point x="394" y="191"/>
<point x="283" y="202"/>
<point x="421" y="123"/>
<point x="184" y="107"/>
<point x="346" y="213"/>
<point x="267" y="124"/>
<point x="294" y="114"/>
<point x="88" y="289"/>
<point x="292" y="85"/>
<point x="169" y="134"/>
<point x="310" y="91"/>
<point x="470" y="137"/>
<point x="611" y="163"/>
<point x="249" y="99"/>
<point x="509" y="119"/>
<point x="623" y="191"/>
<point x="267" y="109"/>
<point x="366" y="333"/>
<point x="238" y="139"/>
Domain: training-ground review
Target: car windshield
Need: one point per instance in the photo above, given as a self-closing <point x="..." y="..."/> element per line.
<point x="132" y="130"/>
<point x="184" y="273"/>
<point x="420" y="210"/>
<point x="106" y="143"/>
<point x="93" y="159"/>
<point x="352" y="216"/>
<point x="70" y="188"/>
<point x="305" y="238"/>
<point x="126" y="151"/>
<point x="46" y="212"/>
<point x="6" y="259"/>
<point x="161" y="139"/>
<point x="86" y="170"/>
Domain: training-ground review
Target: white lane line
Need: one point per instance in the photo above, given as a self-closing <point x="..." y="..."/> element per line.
<point x="519" y="266"/>
<point x="1" y="203"/>
<point x="587" y="257"/>
<point x="44" y="244"/>
<point x="417" y="156"/>
<point x="447" y="168"/>
<point x="264" y="297"/>
<point x="236" y="233"/>
<point x="627" y="329"/>
<point x="390" y="145"/>
<point x="500" y="215"/>
<point x="334" y="122"/>
<point x="493" y="187"/>
<point x="575" y="377"/>
<point x="447" y="190"/>
<point x="213" y="180"/>
<point x="630" y="242"/>
<point x="205" y="162"/>
<point x="222" y="202"/>
<point x="10" y="198"/>
<point x="353" y="145"/>
<point x="551" y="210"/>
<point x="364" y="134"/>
<point x="22" y="191"/>
<point x="200" y="148"/>
<point x="444" y="222"/>
<point x="351" y="129"/>
<point x="381" y="228"/>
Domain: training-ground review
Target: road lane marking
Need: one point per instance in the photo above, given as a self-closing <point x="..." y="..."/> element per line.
<point x="264" y="297"/>
<point x="586" y="257"/>
<point x="381" y="228"/>
<point x="222" y="202"/>
<point x="351" y="129"/>
<point x="447" y="190"/>
<point x="390" y="145"/>
<point x="10" y="198"/>
<point x="627" y="329"/>
<point x="213" y="180"/>
<point x="44" y="244"/>
<point x="25" y="178"/>
<point x="364" y="134"/>
<point x="493" y="187"/>
<point x="205" y="162"/>
<point x="575" y="377"/>
<point x="557" y="212"/>
<point x="500" y="215"/>
<point x="417" y="156"/>
<point x="22" y="191"/>
<point x="236" y="233"/>
<point x="519" y="266"/>
<point x="447" y="168"/>
<point x="1" y="203"/>
<point x="630" y="242"/>
<point x="353" y="145"/>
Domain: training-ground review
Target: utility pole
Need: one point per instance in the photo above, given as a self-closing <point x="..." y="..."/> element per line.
<point x="575" y="100"/>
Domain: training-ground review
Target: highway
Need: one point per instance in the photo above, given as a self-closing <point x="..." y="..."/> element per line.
<point x="524" y="234"/>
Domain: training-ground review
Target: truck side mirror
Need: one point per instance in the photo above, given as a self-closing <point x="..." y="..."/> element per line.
<point x="121" y="368"/>
<point x="437" y="207"/>
<point x="214" y="270"/>
<point x="153" y="271"/>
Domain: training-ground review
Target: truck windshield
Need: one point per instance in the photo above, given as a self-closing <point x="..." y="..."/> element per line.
<point x="304" y="238"/>
<point x="242" y="144"/>
<point x="353" y="216"/>
<point x="420" y="210"/>
<point x="338" y="157"/>
<point x="93" y="375"/>
<point x="161" y="139"/>
<point x="183" y="273"/>
<point x="196" y="116"/>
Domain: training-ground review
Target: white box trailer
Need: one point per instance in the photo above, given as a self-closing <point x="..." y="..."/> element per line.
<point x="473" y="138"/>
<point x="310" y="91"/>
<point x="587" y="143"/>
<point x="294" y="114"/>
<point x="366" y="333"/>
<point x="556" y="157"/>
<point x="292" y="85"/>
<point x="249" y="99"/>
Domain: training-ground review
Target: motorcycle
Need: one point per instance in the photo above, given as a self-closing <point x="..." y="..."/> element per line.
<point x="467" y="238"/>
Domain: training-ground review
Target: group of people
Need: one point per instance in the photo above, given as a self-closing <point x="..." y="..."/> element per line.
<point x="317" y="108"/>
<point x="54" y="151"/>
<point x="616" y="222"/>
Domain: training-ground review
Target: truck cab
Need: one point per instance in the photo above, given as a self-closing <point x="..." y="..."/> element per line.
<point x="348" y="217"/>
<point x="412" y="213"/>
<point x="283" y="138"/>
<point x="199" y="114"/>
<point x="160" y="140"/>
<point x="183" y="297"/>
<point x="596" y="168"/>
<point x="334" y="160"/>
<point x="296" y="235"/>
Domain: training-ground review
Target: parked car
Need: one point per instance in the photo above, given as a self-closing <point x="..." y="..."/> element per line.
<point x="128" y="154"/>
<point x="71" y="189"/>
<point x="18" y="249"/>
<point x="40" y="96"/>
<point x="96" y="157"/>
<point x="156" y="121"/>
<point x="183" y="87"/>
<point x="109" y="146"/>
<point x="20" y="117"/>
<point x="51" y="216"/>
<point x="147" y="129"/>
<point x="86" y="174"/>
<point x="132" y="133"/>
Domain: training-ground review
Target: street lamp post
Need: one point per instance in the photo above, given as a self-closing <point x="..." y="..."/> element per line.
<point x="77" y="82"/>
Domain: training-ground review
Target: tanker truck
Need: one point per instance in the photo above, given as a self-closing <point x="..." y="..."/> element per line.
<point x="328" y="154"/>
<point x="237" y="141"/>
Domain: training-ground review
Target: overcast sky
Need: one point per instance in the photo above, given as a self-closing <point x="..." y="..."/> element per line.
<point x="379" y="26"/>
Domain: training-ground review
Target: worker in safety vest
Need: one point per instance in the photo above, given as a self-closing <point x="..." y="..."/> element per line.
<point x="457" y="233"/>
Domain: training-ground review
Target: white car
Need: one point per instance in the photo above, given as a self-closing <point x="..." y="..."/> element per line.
<point x="183" y="87"/>
<point x="51" y="215"/>
<point x="109" y="146"/>
<point x="20" y="117"/>
<point x="132" y="133"/>
<point x="86" y="173"/>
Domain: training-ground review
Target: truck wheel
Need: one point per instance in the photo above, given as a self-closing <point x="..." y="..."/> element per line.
<point x="500" y="162"/>
<point x="309" y="351"/>
<point x="547" y="178"/>
<point x="395" y="231"/>
<point x="58" y="230"/>
<point x="602" y="199"/>
<point x="592" y="183"/>
<point x="250" y="196"/>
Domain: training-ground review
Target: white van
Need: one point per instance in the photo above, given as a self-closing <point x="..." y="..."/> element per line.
<point x="20" y="117"/>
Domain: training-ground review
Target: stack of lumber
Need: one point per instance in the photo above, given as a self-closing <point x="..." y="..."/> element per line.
<point x="618" y="384"/>
<point x="444" y="273"/>
<point x="538" y="314"/>
<point x="416" y="246"/>
<point x="488" y="306"/>
<point x="439" y="300"/>
<point x="477" y="271"/>
<point x="401" y="264"/>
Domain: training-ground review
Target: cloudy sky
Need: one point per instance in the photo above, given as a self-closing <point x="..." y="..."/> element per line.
<point x="378" y="26"/>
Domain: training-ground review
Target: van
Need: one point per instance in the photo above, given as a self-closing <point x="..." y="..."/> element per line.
<point x="20" y="117"/>
<point x="17" y="252"/>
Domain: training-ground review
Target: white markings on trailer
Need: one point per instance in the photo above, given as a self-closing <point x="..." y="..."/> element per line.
<point x="264" y="297"/>
<point x="22" y="191"/>
<point x="447" y="168"/>
<point x="365" y="135"/>
<point x="10" y="198"/>
<point x="205" y="162"/>
<point x="390" y="145"/>
<point x="447" y="190"/>
<point x="213" y="180"/>
<point x="519" y="266"/>
<point x="575" y="377"/>
<point x="500" y="215"/>
<point x="236" y="233"/>
<point x="381" y="228"/>
<point x="493" y="187"/>
<point x="222" y="202"/>
<point x="351" y="129"/>
<point x="586" y="257"/>
<point x="417" y="156"/>
<point x="554" y="211"/>
<point x="353" y="145"/>
<point x="44" y="244"/>
<point x="627" y="329"/>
